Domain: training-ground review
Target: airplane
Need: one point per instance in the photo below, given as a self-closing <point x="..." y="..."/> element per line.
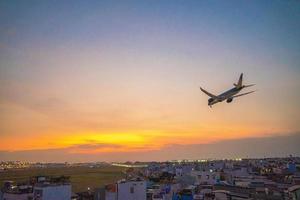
<point x="228" y="95"/>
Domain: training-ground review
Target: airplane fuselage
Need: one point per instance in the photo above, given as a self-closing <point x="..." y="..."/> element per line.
<point x="224" y="96"/>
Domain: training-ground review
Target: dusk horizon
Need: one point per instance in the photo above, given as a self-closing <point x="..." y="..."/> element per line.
<point x="286" y="146"/>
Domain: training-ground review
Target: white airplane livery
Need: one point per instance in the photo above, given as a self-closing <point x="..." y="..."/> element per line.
<point x="228" y="95"/>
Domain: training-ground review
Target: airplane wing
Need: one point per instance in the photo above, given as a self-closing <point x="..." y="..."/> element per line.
<point x="209" y="94"/>
<point x="242" y="94"/>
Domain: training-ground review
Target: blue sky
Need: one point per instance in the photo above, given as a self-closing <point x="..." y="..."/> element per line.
<point x="133" y="68"/>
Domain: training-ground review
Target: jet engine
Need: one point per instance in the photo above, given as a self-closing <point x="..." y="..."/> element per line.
<point x="210" y="100"/>
<point x="229" y="100"/>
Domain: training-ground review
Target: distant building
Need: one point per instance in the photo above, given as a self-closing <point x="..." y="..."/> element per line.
<point x="86" y="195"/>
<point x="291" y="167"/>
<point x="224" y="195"/>
<point x="295" y="180"/>
<point x="233" y="191"/>
<point x="206" y="177"/>
<point x="185" y="194"/>
<point x="158" y="197"/>
<point x="178" y="172"/>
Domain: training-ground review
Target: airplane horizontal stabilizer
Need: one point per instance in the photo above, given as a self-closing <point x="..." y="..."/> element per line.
<point x="242" y="94"/>
<point x="249" y="85"/>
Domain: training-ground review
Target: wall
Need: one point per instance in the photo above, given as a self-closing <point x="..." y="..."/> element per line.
<point x="132" y="190"/>
<point x="59" y="192"/>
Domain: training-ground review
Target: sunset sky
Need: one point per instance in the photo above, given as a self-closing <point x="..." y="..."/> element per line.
<point x="119" y="80"/>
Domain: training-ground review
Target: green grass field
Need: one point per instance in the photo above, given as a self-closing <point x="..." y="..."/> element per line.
<point x="81" y="177"/>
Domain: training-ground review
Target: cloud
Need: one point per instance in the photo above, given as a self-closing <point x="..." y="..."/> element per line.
<point x="273" y="146"/>
<point x="94" y="146"/>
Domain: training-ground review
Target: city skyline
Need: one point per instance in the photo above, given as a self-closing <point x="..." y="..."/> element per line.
<point x="121" y="80"/>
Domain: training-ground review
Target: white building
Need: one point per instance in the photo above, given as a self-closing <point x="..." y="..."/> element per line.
<point x="178" y="172"/>
<point x="131" y="190"/>
<point x="240" y="172"/>
<point x="52" y="191"/>
<point x="206" y="177"/>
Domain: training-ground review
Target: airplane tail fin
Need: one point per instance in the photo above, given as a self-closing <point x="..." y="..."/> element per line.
<point x="239" y="84"/>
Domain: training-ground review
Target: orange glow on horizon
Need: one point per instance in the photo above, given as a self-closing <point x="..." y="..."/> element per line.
<point x="129" y="141"/>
